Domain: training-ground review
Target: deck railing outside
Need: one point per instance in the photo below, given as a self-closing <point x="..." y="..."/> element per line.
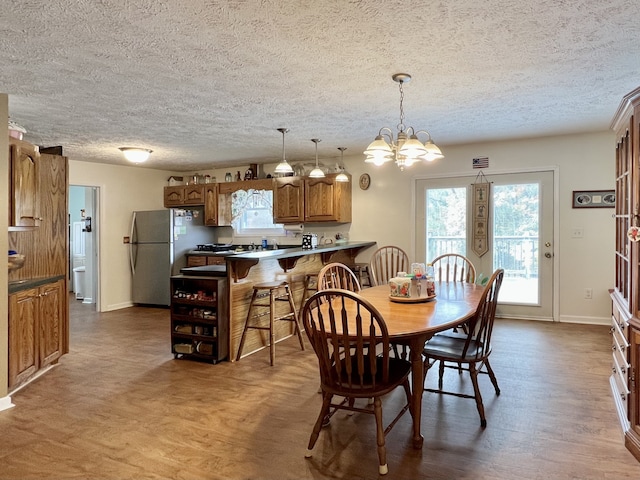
<point x="518" y="256"/>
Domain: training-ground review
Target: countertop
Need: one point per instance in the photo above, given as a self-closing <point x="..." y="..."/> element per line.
<point x="297" y="252"/>
<point x="205" y="271"/>
<point x="19" y="285"/>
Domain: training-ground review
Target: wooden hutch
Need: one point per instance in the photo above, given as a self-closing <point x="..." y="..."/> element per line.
<point x="625" y="319"/>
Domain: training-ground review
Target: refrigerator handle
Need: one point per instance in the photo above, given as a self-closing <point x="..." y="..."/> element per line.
<point x="131" y="262"/>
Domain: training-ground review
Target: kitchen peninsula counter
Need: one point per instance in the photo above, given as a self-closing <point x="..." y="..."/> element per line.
<point x="240" y="263"/>
<point x="293" y="265"/>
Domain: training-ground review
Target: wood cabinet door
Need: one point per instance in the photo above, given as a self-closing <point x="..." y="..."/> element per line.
<point x="173" y="196"/>
<point x="196" y="260"/>
<point x="24" y="159"/>
<point x="51" y="318"/>
<point x="210" y="205"/>
<point x="288" y="200"/>
<point x="193" y="195"/>
<point x="23" y="336"/>
<point x="319" y="200"/>
<point x="326" y="200"/>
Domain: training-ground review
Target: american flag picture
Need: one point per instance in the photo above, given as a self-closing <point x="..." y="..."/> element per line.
<point x="481" y="162"/>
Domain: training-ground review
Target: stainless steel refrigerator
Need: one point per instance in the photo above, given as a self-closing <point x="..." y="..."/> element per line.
<point x="159" y="240"/>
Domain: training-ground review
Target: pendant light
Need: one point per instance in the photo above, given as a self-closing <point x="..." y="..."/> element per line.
<point x="283" y="167"/>
<point x="316" y="172"/>
<point x="342" y="177"/>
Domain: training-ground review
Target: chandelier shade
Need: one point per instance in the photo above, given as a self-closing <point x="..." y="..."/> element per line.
<point x="406" y="149"/>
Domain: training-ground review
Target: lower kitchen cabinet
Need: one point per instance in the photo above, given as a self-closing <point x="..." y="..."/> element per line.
<point x="36" y="330"/>
<point x="199" y="318"/>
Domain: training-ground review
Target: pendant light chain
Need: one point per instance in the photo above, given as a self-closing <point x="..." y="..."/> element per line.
<point x="401" y="124"/>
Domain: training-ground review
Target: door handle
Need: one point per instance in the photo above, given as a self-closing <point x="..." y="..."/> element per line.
<point x="548" y="255"/>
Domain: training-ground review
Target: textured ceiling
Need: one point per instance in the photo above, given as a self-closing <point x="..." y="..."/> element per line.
<point x="205" y="83"/>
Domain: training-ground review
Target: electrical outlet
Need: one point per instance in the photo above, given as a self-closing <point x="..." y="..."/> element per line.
<point x="588" y="293"/>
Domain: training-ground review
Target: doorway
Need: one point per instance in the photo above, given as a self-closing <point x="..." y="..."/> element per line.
<point x="83" y="245"/>
<point x="520" y="235"/>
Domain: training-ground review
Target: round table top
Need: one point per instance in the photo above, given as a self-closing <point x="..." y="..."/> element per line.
<point x="455" y="302"/>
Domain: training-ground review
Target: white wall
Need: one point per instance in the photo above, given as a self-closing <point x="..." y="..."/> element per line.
<point x="122" y="190"/>
<point x="584" y="162"/>
<point x="384" y="213"/>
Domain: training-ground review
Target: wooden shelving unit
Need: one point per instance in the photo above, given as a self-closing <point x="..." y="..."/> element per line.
<point x="199" y="318"/>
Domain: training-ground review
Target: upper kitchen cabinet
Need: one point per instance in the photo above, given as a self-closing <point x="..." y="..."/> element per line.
<point x="327" y="200"/>
<point x="306" y="199"/>
<point x="225" y="196"/>
<point x="210" y="204"/>
<point x="184" y="195"/>
<point x="288" y="200"/>
<point x="23" y="170"/>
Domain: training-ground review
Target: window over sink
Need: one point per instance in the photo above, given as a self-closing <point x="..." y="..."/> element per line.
<point x="252" y="213"/>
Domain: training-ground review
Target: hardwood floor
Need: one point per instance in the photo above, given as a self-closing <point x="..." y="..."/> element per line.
<point x="118" y="406"/>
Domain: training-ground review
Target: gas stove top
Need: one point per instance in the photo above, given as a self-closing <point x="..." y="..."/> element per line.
<point x="214" y="247"/>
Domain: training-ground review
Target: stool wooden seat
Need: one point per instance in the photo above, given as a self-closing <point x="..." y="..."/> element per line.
<point x="310" y="287"/>
<point x="258" y="308"/>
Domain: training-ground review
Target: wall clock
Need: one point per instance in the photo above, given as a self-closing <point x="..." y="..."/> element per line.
<point x="365" y="181"/>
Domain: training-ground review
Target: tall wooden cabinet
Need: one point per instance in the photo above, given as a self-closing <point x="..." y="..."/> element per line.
<point x="38" y="299"/>
<point x="625" y="327"/>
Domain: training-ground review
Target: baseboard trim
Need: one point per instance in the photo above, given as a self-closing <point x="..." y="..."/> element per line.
<point x="5" y="403"/>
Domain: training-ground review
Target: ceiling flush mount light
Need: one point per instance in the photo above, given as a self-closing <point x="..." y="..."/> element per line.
<point x="136" y="155"/>
<point x="342" y="176"/>
<point x="316" y="172"/>
<point x="283" y="167"/>
<point x="406" y="149"/>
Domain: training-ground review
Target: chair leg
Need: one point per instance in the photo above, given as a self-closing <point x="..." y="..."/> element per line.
<point x="296" y="321"/>
<point x="492" y="376"/>
<point x="478" y="395"/>
<point x="324" y="411"/>
<point x="272" y="332"/>
<point x="246" y="325"/>
<point x="382" y="450"/>
<point x="440" y="374"/>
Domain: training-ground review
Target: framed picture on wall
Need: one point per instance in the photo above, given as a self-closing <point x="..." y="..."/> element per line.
<point x="594" y="198"/>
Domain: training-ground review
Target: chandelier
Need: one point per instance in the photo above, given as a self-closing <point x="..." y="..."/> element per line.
<point x="406" y="149"/>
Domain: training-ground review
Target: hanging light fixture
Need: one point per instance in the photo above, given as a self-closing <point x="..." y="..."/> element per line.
<point x="316" y="172"/>
<point x="342" y="176"/>
<point x="283" y="166"/>
<point x="135" y="155"/>
<point x="406" y="149"/>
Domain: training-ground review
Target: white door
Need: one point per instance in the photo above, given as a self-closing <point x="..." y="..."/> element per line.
<point x="520" y="234"/>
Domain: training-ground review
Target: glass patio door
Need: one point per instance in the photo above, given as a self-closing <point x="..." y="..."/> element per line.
<point x="520" y="234"/>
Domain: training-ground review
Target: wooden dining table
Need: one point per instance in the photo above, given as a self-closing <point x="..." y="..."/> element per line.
<point x="412" y="324"/>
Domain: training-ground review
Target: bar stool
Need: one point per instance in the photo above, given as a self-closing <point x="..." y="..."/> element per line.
<point x="275" y="292"/>
<point x="310" y="286"/>
<point x="362" y="272"/>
